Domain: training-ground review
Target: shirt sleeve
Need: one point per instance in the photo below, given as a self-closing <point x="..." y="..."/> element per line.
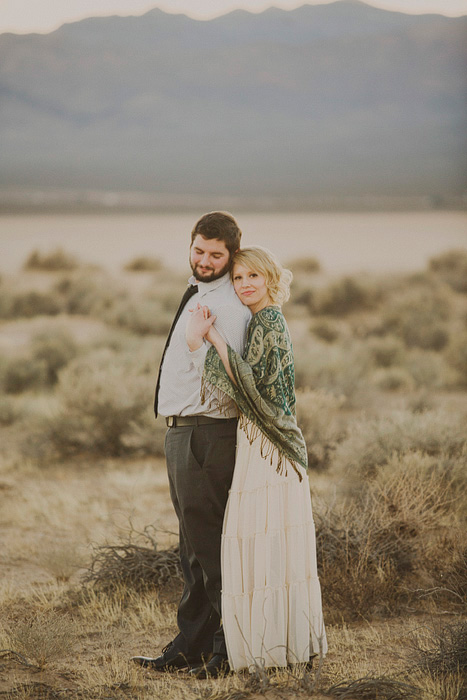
<point x="232" y="322"/>
<point x="198" y="356"/>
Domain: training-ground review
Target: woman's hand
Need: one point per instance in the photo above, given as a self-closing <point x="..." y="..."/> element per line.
<point x="198" y="326"/>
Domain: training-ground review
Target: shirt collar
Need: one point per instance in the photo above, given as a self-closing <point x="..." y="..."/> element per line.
<point x="205" y="287"/>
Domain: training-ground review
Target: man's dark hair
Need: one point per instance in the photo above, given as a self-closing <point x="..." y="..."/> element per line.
<point x="220" y="225"/>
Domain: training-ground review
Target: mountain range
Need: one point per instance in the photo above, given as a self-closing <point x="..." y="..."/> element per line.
<point x="341" y="100"/>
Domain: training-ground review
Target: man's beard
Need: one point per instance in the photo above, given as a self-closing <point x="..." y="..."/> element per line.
<point x="211" y="275"/>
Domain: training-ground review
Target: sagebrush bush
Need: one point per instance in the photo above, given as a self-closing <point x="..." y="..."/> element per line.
<point x="318" y="418"/>
<point x="30" y="304"/>
<point x="144" y="264"/>
<point x="42" y="638"/>
<point x="105" y="408"/>
<point x="346" y="296"/>
<point x="56" y="348"/>
<point x="143" y="316"/>
<point x="51" y="262"/>
<point x="429" y="369"/>
<point x="451" y="267"/>
<point x="386" y="351"/>
<point x="341" y="369"/>
<point x="456" y="355"/>
<point x="378" y="547"/>
<point x="305" y="265"/>
<point x="393" y="379"/>
<point x="418" y="315"/>
<point x="24" y="373"/>
<point x="10" y="412"/>
<point x="370" y="444"/>
<point x="325" y="330"/>
<point x="89" y="292"/>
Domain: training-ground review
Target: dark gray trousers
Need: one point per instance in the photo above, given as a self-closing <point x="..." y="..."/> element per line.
<point x="200" y="464"/>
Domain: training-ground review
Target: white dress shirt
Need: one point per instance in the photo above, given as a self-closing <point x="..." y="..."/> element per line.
<point x="180" y="382"/>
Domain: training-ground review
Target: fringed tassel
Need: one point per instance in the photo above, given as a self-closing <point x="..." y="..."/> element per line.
<point x="267" y="448"/>
<point x="217" y="398"/>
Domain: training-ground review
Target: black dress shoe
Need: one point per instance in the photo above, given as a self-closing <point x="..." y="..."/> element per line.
<point x="217" y="666"/>
<point x="171" y="659"/>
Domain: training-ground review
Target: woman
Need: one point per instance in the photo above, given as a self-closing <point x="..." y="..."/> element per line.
<point x="271" y="598"/>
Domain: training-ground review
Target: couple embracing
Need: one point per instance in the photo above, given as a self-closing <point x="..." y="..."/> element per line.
<point x="237" y="463"/>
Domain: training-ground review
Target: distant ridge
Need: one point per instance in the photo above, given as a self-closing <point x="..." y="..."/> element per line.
<point x="326" y="101"/>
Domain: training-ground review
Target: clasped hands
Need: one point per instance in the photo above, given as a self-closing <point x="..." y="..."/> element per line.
<point x="200" y="326"/>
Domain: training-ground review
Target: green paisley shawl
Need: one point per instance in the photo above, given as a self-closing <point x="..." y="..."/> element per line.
<point x="264" y="394"/>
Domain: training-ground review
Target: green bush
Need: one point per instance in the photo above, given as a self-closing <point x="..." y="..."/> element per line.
<point x="89" y="293"/>
<point x="451" y="267"/>
<point x="143" y="316"/>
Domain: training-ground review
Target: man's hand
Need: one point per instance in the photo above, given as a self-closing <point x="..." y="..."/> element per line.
<point x="198" y="326"/>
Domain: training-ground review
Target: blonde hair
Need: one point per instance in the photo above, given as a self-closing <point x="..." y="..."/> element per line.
<point x="261" y="260"/>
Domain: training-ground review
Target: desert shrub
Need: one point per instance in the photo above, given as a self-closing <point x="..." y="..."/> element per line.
<point x="442" y="651"/>
<point x="325" y="330"/>
<point x="105" y="408"/>
<point x="302" y="294"/>
<point x="306" y="265"/>
<point x="318" y="418"/>
<point x="374" y="688"/>
<point x="135" y="564"/>
<point x="42" y="638"/>
<point x="345" y="296"/>
<point x="393" y="379"/>
<point x="370" y="444"/>
<point x="10" y="412"/>
<point x="143" y="316"/>
<point x="88" y="292"/>
<point x="376" y="547"/>
<point x="143" y="264"/>
<point x="341" y="369"/>
<point x="51" y="262"/>
<point x="24" y="373"/>
<point x="456" y="355"/>
<point x="418" y="316"/>
<point x="31" y="304"/>
<point x="386" y="351"/>
<point x="451" y="267"/>
<point x="55" y="349"/>
<point x="428" y="369"/>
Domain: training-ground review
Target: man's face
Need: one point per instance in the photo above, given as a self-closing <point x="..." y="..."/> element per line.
<point x="209" y="258"/>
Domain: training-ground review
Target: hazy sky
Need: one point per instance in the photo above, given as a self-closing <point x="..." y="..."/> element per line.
<point x="46" y="15"/>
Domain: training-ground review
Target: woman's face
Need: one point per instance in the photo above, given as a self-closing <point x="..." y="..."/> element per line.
<point x="250" y="287"/>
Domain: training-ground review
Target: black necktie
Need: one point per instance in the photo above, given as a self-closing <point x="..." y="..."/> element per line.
<point x="192" y="289"/>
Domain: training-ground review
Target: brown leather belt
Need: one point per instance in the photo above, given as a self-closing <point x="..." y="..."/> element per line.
<point x="179" y="421"/>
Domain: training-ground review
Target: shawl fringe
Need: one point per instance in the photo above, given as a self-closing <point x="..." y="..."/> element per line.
<point x="217" y="398"/>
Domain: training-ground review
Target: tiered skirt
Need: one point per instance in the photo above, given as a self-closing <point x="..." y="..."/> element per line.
<point x="271" y="596"/>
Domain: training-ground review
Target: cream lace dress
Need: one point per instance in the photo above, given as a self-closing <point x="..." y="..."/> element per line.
<point x="271" y="597"/>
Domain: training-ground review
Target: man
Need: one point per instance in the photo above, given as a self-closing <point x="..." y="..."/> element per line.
<point x="200" y="449"/>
